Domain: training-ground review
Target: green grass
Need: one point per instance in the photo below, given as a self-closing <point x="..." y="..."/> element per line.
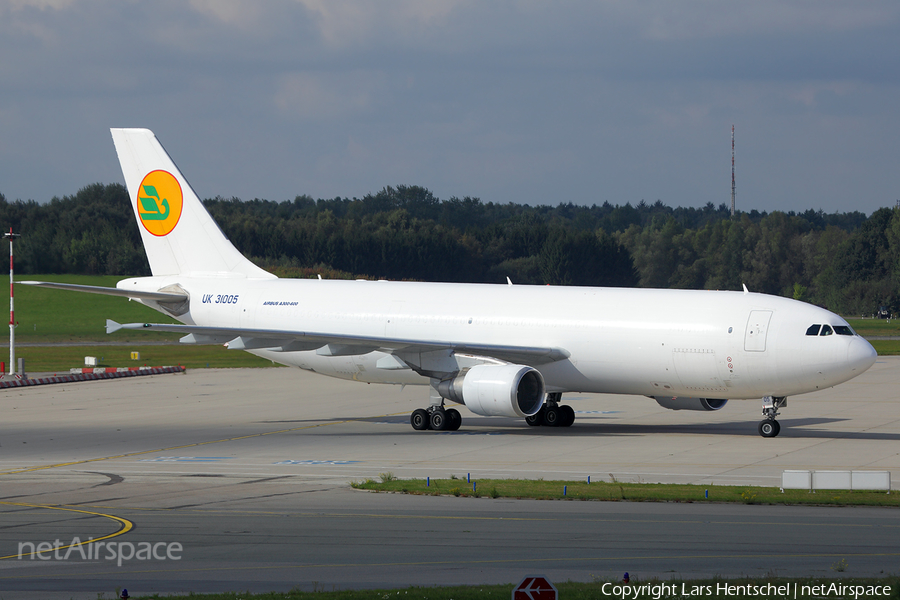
<point x="875" y="327"/>
<point x="570" y="590"/>
<point x="59" y="359"/>
<point x="635" y="492"/>
<point x="879" y="328"/>
<point x="46" y="315"/>
<point x="886" y="347"/>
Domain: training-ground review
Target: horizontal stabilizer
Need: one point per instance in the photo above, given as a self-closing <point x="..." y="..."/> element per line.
<point x="107" y="291"/>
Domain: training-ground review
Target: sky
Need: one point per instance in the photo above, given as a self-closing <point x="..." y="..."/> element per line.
<point x="509" y="101"/>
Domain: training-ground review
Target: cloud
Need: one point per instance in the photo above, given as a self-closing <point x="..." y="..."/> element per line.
<point x="18" y="5"/>
<point x="349" y="22"/>
<point x="511" y="101"/>
<point x="704" y="19"/>
<point x="233" y="12"/>
<point x="327" y="96"/>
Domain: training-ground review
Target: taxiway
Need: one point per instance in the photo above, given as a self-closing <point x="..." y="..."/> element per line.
<point x="249" y="471"/>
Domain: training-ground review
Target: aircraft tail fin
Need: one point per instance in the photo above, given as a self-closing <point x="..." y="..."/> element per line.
<point x="179" y="236"/>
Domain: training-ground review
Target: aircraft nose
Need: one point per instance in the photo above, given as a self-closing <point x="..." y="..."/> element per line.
<point x="861" y="355"/>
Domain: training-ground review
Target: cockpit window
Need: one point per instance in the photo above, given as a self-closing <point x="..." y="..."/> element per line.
<point x="818" y="329"/>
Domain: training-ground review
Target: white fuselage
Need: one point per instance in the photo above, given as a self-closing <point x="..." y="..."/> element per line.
<point x="628" y="341"/>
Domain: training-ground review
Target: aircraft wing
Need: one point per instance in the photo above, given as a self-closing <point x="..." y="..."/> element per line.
<point x="326" y="344"/>
<point x="108" y="291"/>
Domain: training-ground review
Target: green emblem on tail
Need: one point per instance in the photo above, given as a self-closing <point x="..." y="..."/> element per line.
<point x="150" y="205"/>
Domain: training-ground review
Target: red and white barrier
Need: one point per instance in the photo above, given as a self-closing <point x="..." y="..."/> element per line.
<point x="88" y="374"/>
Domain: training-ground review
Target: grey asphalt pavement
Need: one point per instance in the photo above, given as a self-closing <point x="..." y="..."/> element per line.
<point x="249" y="470"/>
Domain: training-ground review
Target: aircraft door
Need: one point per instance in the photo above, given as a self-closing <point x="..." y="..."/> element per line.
<point x="757" y="329"/>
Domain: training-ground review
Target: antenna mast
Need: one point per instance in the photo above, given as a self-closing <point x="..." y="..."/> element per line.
<point x="732" y="171"/>
<point x="12" y="319"/>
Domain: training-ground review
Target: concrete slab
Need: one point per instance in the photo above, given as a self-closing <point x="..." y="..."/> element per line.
<point x="285" y="421"/>
<point x="249" y="470"/>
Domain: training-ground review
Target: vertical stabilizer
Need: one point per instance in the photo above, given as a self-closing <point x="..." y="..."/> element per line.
<point x="180" y="238"/>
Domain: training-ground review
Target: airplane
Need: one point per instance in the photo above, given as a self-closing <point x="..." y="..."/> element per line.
<point x="499" y="349"/>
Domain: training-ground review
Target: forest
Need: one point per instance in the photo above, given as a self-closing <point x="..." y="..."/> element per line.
<point x="846" y="262"/>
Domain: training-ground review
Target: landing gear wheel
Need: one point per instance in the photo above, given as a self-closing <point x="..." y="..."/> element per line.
<point x="552" y="417"/>
<point x="769" y="428"/>
<point x="419" y="419"/>
<point x="439" y="420"/>
<point x="537" y="419"/>
<point x="566" y="415"/>
<point x="454" y="419"/>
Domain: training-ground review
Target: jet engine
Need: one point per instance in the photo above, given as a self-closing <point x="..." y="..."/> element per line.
<point x="496" y="390"/>
<point x="679" y="403"/>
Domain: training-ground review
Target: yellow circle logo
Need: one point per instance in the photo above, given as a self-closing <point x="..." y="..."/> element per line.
<point x="159" y="202"/>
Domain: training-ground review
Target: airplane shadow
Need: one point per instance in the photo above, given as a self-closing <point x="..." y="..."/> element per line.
<point x="801" y="428"/>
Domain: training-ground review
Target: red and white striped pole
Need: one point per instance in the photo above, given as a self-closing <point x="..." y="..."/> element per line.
<point x="12" y="312"/>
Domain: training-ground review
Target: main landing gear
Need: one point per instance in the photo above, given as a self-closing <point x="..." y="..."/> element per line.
<point x="435" y="417"/>
<point x="769" y="427"/>
<point x="552" y="414"/>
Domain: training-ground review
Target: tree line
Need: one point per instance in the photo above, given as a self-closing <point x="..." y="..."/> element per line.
<point x="847" y="262"/>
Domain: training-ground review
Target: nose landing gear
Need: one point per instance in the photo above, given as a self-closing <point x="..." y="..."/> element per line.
<point x="769" y="427"/>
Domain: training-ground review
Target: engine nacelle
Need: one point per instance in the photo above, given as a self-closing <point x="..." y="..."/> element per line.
<point x="497" y="390"/>
<point x="679" y="403"/>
